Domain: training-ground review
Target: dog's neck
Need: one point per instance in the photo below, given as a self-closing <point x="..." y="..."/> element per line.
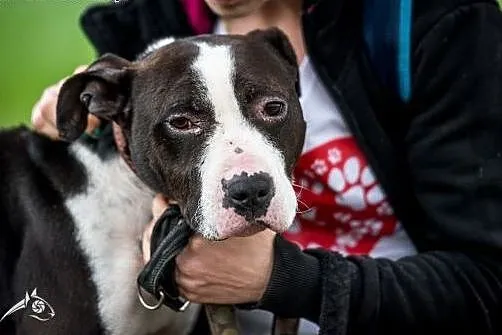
<point x="122" y="145"/>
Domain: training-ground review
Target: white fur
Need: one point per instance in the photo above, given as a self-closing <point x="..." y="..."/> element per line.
<point x="157" y="45"/>
<point x="215" y="66"/>
<point x="110" y="217"/>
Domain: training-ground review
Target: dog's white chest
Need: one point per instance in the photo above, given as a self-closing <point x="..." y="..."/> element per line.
<point x="110" y="217"/>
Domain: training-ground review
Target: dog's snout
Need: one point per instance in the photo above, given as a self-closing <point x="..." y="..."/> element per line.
<point x="249" y="192"/>
<point x="250" y="196"/>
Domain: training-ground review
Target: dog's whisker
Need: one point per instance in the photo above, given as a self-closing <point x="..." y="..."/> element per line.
<point x="301" y="187"/>
<point x="299" y="194"/>
<point x="305" y="205"/>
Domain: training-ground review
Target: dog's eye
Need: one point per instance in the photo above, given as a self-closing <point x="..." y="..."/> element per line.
<point x="274" y="108"/>
<point x="181" y="123"/>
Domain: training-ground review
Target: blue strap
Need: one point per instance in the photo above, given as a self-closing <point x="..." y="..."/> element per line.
<point x="387" y="33"/>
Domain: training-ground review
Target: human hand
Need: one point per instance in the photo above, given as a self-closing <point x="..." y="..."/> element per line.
<point x="233" y="271"/>
<point x="159" y="205"/>
<point x="43" y="115"/>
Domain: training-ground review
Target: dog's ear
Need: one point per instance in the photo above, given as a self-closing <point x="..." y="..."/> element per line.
<point x="280" y="42"/>
<point x="277" y="39"/>
<point x="103" y="90"/>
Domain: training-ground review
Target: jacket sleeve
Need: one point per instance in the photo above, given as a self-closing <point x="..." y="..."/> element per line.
<point x="454" y="148"/>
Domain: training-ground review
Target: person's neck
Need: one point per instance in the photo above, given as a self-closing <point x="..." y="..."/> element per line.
<point x="284" y="14"/>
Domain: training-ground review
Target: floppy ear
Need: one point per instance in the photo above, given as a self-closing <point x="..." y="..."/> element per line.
<point x="276" y="38"/>
<point x="103" y="90"/>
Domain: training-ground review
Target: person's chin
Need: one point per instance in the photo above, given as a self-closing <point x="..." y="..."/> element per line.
<point x="234" y="8"/>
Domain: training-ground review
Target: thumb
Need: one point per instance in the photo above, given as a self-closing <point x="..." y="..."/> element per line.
<point x="159" y="205"/>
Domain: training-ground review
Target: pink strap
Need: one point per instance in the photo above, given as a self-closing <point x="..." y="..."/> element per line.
<point x="198" y="17"/>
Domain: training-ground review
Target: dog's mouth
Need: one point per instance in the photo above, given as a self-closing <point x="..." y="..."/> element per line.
<point x="241" y="227"/>
<point x="248" y="229"/>
<point x="221" y="216"/>
<point x="244" y="228"/>
<point x="253" y="227"/>
<point x="263" y="224"/>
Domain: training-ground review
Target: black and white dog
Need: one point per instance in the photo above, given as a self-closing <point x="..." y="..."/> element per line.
<point x="211" y="121"/>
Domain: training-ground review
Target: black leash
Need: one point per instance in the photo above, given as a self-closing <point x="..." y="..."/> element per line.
<point x="169" y="236"/>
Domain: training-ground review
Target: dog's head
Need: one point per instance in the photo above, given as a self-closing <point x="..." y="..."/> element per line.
<point x="213" y="122"/>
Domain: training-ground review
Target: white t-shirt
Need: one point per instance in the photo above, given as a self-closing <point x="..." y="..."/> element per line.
<point x="341" y="203"/>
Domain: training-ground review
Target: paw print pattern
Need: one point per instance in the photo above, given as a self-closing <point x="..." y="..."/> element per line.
<point x="342" y="205"/>
<point x="355" y="186"/>
<point x="384" y="209"/>
<point x="319" y="167"/>
<point x="317" y="188"/>
<point x="334" y="156"/>
<point x="342" y="217"/>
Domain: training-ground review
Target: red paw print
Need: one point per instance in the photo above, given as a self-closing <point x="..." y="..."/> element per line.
<point x="342" y="205"/>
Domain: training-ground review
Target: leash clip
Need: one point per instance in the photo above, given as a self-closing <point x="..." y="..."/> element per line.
<point x="175" y="303"/>
<point x="146" y="305"/>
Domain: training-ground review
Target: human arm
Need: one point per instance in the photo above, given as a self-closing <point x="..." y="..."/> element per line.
<point x="453" y="146"/>
<point x="453" y="151"/>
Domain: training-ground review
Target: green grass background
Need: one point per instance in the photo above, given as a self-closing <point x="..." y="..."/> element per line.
<point x="40" y="43"/>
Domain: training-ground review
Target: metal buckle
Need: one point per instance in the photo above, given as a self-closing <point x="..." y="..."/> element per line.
<point x="170" y="301"/>
<point x="146" y="305"/>
<point x="173" y="302"/>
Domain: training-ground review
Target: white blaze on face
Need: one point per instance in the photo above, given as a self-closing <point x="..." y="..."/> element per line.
<point x="215" y="67"/>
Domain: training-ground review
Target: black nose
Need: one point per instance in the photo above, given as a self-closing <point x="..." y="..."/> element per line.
<point x="249" y="195"/>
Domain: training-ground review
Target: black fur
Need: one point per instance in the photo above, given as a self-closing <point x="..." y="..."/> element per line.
<point x="38" y="248"/>
<point x="142" y="96"/>
<point x="36" y="175"/>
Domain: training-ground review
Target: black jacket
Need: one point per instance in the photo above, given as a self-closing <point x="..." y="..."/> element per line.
<point x="438" y="157"/>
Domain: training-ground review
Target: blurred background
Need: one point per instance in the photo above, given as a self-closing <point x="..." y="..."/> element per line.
<point x="41" y="42"/>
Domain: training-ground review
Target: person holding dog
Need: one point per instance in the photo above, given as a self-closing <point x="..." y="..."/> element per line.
<point x="402" y="227"/>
